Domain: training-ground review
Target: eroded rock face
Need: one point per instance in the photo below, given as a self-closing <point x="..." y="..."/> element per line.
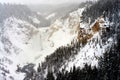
<point x="96" y="27"/>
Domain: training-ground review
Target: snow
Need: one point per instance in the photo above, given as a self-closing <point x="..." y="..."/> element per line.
<point x="50" y="16"/>
<point x="39" y="13"/>
<point x="35" y="20"/>
<point x="28" y="44"/>
<point x="15" y="33"/>
<point x="89" y="54"/>
<point x="94" y="49"/>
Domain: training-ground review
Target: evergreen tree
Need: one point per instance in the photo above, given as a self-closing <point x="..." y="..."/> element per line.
<point x="50" y="76"/>
<point x="39" y="68"/>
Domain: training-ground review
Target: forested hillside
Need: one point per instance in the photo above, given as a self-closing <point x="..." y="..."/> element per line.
<point x="82" y="44"/>
<point x="109" y="64"/>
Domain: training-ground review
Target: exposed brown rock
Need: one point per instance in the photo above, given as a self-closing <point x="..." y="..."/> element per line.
<point x="89" y="36"/>
<point x="96" y="27"/>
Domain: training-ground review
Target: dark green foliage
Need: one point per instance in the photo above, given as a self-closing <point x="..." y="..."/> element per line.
<point x="58" y="58"/>
<point x="109" y="68"/>
<point x="87" y="73"/>
<point x="109" y="65"/>
<point x="50" y="76"/>
<point x="102" y="7"/>
<point x="39" y="68"/>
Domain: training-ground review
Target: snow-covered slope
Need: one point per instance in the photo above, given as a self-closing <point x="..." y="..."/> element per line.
<point x="22" y="43"/>
<point x="14" y="36"/>
<point x="95" y="47"/>
<point x="90" y="53"/>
